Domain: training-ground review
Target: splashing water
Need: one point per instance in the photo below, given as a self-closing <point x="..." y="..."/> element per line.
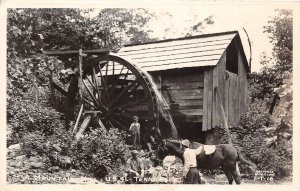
<point x="163" y="106"/>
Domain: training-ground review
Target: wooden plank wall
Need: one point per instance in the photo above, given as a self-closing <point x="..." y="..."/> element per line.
<point x="207" y="100"/>
<point x="220" y="70"/>
<point x="233" y="89"/>
<point x="184" y="93"/>
<point x="243" y="85"/>
<point x="233" y="96"/>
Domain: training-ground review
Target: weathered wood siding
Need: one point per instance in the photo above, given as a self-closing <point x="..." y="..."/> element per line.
<point x="183" y="91"/>
<point x="243" y="84"/>
<point x="233" y="89"/>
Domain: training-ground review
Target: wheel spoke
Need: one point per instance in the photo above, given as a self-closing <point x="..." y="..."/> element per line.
<point x="124" y="91"/>
<point x="95" y="89"/>
<point x="89" y="103"/>
<point x="87" y="98"/>
<point x="91" y="94"/>
<point x="115" y="82"/>
<point x="106" y="78"/>
<point x="113" y="72"/>
<point x="125" y="77"/>
<point x="118" y="123"/>
<point x="97" y="86"/>
<point x="135" y="87"/>
<point x="111" y="123"/>
<point x="103" y="81"/>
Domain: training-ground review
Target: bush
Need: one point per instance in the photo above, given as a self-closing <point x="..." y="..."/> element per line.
<point x="24" y="116"/>
<point x="96" y="150"/>
<point x="259" y="140"/>
<point x="33" y="144"/>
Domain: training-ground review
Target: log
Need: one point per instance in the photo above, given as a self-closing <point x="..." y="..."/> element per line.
<point x="83" y="127"/>
<point x="74" y="52"/>
<point x="78" y="118"/>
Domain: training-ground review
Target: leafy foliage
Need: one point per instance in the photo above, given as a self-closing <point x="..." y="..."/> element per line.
<point x="199" y="26"/>
<point x="280" y="66"/>
<point x="267" y="139"/>
<point x="270" y="147"/>
<point x="98" y="149"/>
<point x="24" y="116"/>
<point x="29" y="31"/>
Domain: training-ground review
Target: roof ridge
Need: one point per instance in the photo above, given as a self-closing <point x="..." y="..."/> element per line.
<point x="184" y="38"/>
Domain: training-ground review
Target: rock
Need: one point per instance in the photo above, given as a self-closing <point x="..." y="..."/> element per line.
<point x="21" y="157"/>
<point x="35" y="159"/>
<point x="13" y="150"/>
<point x="15" y="147"/>
<point x="35" y="162"/>
<point x="169" y="160"/>
<point x="36" y="165"/>
<point x="16" y="164"/>
<point x="53" y="169"/>
<point x="65" y="160"/>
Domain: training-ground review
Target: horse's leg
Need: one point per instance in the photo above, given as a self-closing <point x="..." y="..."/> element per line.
<point x="236" y="177"/>
<point x="232" y="169"/>
<point x="228" y="174"/>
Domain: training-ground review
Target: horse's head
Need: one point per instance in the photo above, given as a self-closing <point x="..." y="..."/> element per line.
<point x="170" y="147"/>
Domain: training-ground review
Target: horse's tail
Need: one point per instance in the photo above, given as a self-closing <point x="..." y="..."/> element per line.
<point x="252" y="166"/>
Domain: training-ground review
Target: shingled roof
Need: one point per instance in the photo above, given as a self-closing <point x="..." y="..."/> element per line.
<point x="194" y="51"/>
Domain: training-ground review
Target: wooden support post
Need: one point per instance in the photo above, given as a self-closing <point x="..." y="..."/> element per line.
<point x="80" y="76"/>
<point x="78" y="118"/>
<point x="83" y="127"/>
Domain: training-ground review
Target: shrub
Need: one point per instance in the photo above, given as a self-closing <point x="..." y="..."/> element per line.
<point x="24" y="116"/>
<point x="260" y="140"/>
<point x="96" y="150"/>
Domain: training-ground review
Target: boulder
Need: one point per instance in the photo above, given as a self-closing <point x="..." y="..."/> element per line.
<point x="36" y="165"/>
<point x="20" y="158"/>
<point x="16" y="164"/>
<point x="169" y="160"/>
<point x="14" y="150"/>
<point x="35" y="159"/>
<point x="15" y="147"/>
<point x="53" y="169"/>
<point x="35" y="162"/>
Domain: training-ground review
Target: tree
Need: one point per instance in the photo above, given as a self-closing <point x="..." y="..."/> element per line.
<point x="280" y="29"/>
<point x="271" y="111"/>
<point x="280" y="65"/>
<point x="199" y="26"/>
<point x="29" y="31"/>
<point x="124" y="26"/>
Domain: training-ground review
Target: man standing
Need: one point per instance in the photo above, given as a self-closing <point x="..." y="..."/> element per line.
<point x="190" y="171"/>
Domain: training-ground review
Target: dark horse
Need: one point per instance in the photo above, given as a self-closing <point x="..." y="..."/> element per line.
<point x="225" y="156"/>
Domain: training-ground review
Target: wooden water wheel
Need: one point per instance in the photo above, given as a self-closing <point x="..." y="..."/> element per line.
<point x="113" y="90"/>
